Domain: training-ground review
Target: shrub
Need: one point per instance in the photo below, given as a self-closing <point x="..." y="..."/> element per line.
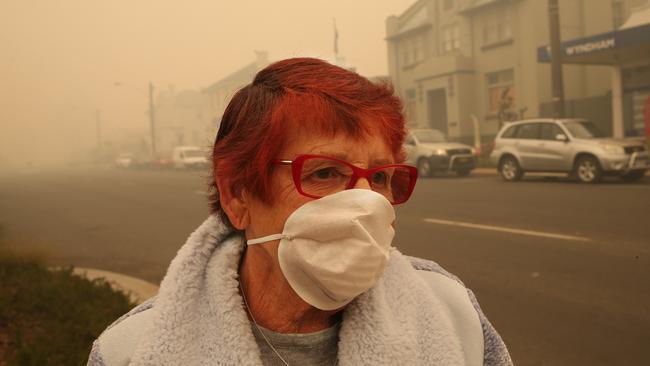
<point x="51" y="317"/>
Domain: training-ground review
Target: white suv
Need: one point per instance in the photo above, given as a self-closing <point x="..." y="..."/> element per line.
<point x="573" y="146"/>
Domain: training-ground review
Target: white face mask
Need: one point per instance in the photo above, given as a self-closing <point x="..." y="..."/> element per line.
<point x="334" y="248"/>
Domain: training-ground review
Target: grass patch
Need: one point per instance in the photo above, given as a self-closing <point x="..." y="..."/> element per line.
<point x="51" y="317"/>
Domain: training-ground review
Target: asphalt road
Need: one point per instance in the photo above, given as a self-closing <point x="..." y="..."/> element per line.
<point x="561" y="269"/>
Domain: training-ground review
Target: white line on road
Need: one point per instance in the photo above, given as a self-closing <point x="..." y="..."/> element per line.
<point x="507" y="230"/>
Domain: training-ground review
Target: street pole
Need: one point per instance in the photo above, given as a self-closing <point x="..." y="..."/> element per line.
<point x="556" y="58"/>
<point x="152" y="121"/>
<point x="98" y="124"/>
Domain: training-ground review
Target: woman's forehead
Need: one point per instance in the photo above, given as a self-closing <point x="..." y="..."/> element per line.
<point x="371" y="147"/>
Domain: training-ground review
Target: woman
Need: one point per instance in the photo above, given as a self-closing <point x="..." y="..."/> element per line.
<point x="295" y="264"/>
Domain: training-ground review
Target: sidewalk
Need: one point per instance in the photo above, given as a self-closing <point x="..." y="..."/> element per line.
<point x="137" y="289"/>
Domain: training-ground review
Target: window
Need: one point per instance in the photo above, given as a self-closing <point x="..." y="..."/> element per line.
<point x="509" y="133"/>
<point x="411" y="105"/>
<point x="497" y="29"/>
<point x="430" y="136"/>
<point x="413" y="50"/>
<point x="450" y="38"/>
<point x="549" y="131"/>
<point x="500" y="90"/>
<point x="448" y="5"/>
<point x="583" y="129"/>
<point x="528" y="131"/>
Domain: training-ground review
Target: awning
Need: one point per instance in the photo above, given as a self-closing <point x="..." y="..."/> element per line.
<point x="611" y="48"/>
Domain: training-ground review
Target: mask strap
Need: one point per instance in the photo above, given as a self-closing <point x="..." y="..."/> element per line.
<point x="267" y="238"/>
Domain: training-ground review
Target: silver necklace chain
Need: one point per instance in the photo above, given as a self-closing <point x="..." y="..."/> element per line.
<point x="243" y="295"/>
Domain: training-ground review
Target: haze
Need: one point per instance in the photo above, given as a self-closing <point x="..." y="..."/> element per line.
<point x="61" y="59"/>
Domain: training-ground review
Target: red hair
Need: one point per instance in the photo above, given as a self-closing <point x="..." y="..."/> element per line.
<point x="302" y="93"/>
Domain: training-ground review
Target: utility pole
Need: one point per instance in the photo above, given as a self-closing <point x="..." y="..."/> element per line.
<point x="152" y="121"/>
<point x="98" y="124"/>
<point x="556" y="58"/>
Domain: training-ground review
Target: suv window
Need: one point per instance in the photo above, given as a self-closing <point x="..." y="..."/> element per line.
<point x="509" y="133"/>
<point x="528" y="131"/>
<point x="548" y="131"/>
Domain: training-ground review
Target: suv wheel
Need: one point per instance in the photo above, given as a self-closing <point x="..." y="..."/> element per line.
<point x="633" y="175"/>
<point x="463" y="172"/>
<point x="510" y="169"/>
<point x="588" y="170"/>
<point x="424" y="168"/>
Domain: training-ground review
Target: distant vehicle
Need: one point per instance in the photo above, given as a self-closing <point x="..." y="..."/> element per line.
<point x="189" y="157"/>
<point x="430" y="152"/>
<point x="160" y="163"/>
<point x="573" y="146"/>
<point x="124" y="161"/>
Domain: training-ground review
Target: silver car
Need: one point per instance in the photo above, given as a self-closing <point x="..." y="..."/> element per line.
<point x="430" y="151"/>
<point x="573" y="146"/>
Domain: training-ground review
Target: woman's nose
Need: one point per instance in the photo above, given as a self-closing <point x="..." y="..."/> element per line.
<point x="362" y="183"/>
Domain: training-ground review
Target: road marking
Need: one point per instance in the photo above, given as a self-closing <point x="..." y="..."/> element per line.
<point x="507" y="230"/>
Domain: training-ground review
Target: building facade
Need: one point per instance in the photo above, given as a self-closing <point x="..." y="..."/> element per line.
<point x="220" y="92"/>
<point x="182" y="118"/>
<point x="466" y="66"/>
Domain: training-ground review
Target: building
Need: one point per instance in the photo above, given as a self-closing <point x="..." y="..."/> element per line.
<point x="220" y="93"/>
<point x="466" y="66"/>
<point x="627" y="51"/>
<point x="182" y="118"/>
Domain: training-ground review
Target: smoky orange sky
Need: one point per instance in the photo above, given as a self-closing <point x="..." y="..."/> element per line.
<point x="60" y="60"/>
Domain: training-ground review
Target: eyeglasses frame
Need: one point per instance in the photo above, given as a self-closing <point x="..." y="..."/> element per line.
<point x="357" y="173"/>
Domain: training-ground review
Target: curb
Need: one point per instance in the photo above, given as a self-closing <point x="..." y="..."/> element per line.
<point x="138" y="290"/>
<point x="485" y="171"/>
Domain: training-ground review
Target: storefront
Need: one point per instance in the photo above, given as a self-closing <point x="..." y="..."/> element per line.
<point x="627" y="51"/>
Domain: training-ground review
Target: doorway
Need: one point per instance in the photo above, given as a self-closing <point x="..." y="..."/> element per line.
<point x="437" y="109"/>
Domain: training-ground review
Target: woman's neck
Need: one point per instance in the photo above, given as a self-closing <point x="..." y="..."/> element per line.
<point x="270" y="298"/>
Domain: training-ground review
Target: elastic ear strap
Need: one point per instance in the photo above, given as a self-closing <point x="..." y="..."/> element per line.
<point x="267" y="239"/>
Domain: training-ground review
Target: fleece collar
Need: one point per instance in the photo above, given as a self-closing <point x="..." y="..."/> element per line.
<point x="199" y="317"/>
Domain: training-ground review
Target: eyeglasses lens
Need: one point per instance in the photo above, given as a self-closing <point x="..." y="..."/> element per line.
<point x="321" y="177"/>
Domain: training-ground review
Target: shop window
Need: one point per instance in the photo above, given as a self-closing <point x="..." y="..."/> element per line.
<point x="500" y="90"/>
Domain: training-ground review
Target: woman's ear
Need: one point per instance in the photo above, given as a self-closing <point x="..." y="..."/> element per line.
<point x="233" y="204"/>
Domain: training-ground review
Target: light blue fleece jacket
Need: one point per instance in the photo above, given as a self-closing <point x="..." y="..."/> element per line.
<point x="417" y="314"/>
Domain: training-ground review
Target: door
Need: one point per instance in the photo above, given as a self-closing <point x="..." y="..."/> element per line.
<point x="553" y="153"/>
<point x="437" y="109"/>
<point x="525" y="142"/>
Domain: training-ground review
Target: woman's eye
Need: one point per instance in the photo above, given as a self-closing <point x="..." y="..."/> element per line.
<point x="379" y="178"/>
<point x="325" y="173"/>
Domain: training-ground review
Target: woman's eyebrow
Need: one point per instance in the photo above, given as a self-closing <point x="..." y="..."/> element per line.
<point x="382" y="162"/>
<point x="338" y="155"/>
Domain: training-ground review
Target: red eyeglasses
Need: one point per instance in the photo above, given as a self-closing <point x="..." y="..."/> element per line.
<point x="317" y="176"/>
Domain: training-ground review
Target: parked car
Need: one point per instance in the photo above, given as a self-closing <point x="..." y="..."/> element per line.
<point x="430" y="152"/>
<point x="573" y="146"/>
<point x="160" y="163"/>
<point x="124" y="161"/>
<point x="189" y="157"/>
